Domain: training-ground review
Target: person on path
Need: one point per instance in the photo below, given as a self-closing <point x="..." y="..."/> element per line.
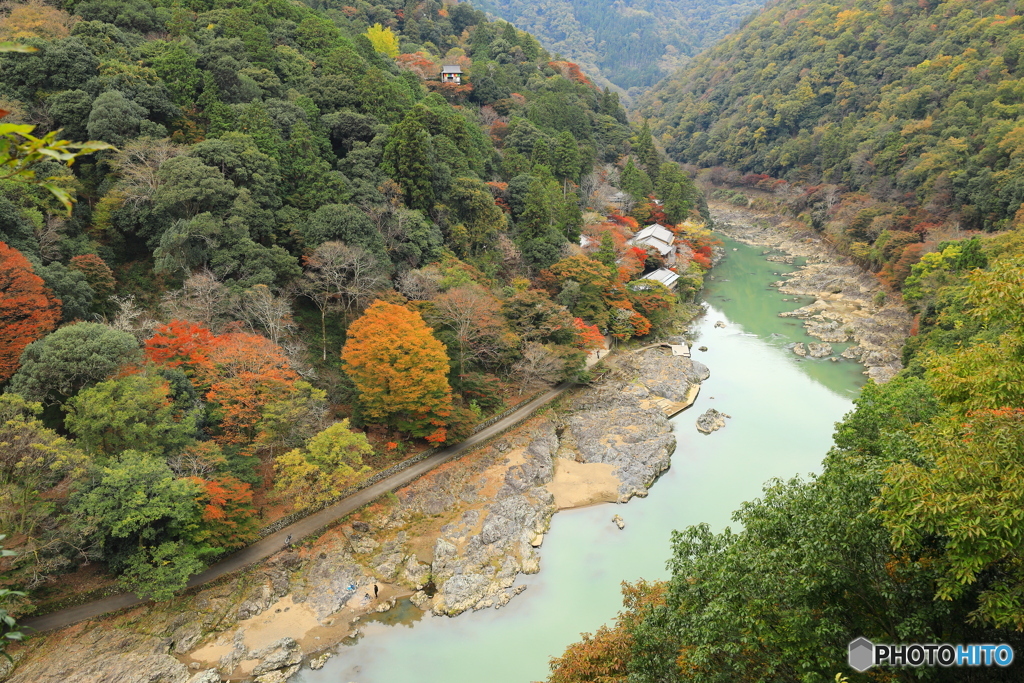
<point x="375" y="591"/>
<point x="288" y="541"/>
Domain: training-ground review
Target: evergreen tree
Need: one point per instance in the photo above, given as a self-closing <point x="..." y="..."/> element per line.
<point x="409" y="161"/>
<point x="567" y="158"/>
<point x="635" y="182"/>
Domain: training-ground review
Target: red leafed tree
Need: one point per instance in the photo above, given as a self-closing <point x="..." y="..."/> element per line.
<point x="588" y="337"/>
<point x="228" y="516"/>
<point x="247" y="372"/>
<point x="181" y="344"/>
<point x="28" y="310"/>
<point x="570" y="70"/>
<point x="627" y="221"/>
<point x="422" y="64"/>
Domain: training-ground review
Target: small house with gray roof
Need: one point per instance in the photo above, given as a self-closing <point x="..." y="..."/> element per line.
<point x="451" y="73"/>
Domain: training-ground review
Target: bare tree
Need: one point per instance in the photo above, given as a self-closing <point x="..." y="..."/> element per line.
<point x="131" y="318"/>
<point x="49" y="237"/>
<point x="138" y="162"/>
<point x="262" y="310"/>
<point x="198" y="460"/>
<point x="202" y="299"/>
<point x="474" y="316"/>
<point x="511" y="257"/>
<point x="537" y="364"/>
<point x="421" y="284"/>
<point x="341" y="277"/>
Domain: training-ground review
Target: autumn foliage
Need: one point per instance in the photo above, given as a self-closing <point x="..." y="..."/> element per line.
<point x="181" y="344"/>
<point x="604" y="656"/>
<point x="588" y="337"/>
<point x="240" y="373"/>
<point x="28" y="311"/>
<point x="228" y="520"/>
<point x="572" y="71"/>
<point x="249" y="371"/>
<point x="400" y="370"/>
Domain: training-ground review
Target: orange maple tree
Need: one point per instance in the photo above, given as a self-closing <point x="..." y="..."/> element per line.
<point x="247" y="372"/>
<point x="400" y="370"/>
<point x="181" y="344"/>
<point x="28" y="310"/>
<point x="588" y="337"/>
<point x="240" y="373"/>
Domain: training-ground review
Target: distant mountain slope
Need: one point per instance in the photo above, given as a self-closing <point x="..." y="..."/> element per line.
<point x="915" y="101"/>
<point x="632" y="43"/>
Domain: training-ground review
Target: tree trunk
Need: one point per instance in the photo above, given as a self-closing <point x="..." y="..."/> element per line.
<point x="323" y="330"/>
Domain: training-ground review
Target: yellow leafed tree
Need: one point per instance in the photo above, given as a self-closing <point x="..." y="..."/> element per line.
<point x="330" y="462"/>
<point x="383" y="40"/>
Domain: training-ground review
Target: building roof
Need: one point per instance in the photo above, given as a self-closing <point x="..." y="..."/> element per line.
<point x="664" y="276"/>
<point x="451" y="69"/>
<point x="657" y="236"/>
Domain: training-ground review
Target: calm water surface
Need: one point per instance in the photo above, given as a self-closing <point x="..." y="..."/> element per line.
<point x="783" y="409"/>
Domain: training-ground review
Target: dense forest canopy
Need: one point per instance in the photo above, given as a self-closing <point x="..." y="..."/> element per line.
<point x="630" y="43"/>
<point x="890" y="126"/>
<point x="206" y="339"/>
<point x="913" y="102"/>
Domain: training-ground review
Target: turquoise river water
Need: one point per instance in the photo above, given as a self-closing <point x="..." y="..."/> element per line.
<point x="783" y="410"/>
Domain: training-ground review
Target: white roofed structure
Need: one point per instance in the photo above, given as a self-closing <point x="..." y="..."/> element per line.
<point x="657" y="236"/>
<point x="664" y="276"/>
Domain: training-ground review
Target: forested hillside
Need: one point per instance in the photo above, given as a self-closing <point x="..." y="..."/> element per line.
<point x="631" y="43"/>
<point x="306" y="258"/>
<point x="890" y="126"/>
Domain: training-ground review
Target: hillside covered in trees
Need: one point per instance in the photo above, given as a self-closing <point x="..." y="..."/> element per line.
<point x="888" y="125"/>
<point x="631" y="43"/>
<point x="306" y="258"/>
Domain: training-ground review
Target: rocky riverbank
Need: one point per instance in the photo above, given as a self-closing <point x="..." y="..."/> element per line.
<point x="845" y="307"/>
<point x="455" y="540"/>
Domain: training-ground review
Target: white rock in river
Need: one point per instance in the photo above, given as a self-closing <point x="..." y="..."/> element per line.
<point x="819" y="350"/>
<point x="618" y="522"/>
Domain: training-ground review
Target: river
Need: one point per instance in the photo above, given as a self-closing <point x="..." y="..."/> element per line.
<point x="783" y="409"/>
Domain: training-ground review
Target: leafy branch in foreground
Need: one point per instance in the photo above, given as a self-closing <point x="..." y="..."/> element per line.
<point x="9" y="629"/>
<point x="20" y="150"/>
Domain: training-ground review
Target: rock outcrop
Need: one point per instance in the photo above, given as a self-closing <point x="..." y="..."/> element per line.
<point x="711" y="421"/>
<point x="85" y="655"/>
<point x="844" y="306"/>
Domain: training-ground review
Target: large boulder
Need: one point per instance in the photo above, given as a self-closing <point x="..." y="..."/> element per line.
<point x="712" y="420"/>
